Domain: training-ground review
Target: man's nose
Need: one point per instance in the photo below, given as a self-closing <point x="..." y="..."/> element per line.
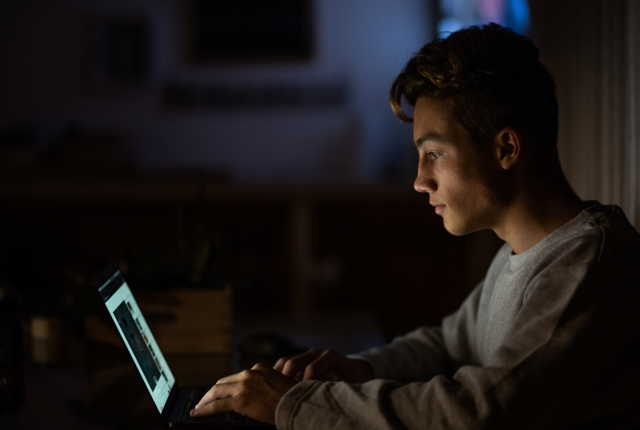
<point x="424" y="183"/>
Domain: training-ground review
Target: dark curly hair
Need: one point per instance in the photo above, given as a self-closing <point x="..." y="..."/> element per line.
<point x="494" y="78"/>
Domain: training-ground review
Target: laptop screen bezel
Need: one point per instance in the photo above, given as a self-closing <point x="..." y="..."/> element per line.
<point x="111" y="273"/>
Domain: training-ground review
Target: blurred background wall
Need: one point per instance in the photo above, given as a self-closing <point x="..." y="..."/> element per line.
<point x="53" y="55"/>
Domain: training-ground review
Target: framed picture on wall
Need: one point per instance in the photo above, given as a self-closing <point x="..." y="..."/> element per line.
<point x="249" y="30"/>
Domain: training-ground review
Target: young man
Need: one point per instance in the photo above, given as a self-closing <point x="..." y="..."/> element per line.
<point x="550" y="338"/>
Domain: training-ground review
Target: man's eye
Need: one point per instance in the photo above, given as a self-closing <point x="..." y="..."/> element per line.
<point x="434" y="154"/>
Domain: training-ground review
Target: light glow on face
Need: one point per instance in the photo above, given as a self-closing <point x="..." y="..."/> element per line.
<point x="451" y="170"/>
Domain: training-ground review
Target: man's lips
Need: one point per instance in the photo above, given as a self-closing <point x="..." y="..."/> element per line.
<point x="438" y="207"/>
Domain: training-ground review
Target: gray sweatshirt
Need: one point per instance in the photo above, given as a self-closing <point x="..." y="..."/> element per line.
<point x="550" y="339"/>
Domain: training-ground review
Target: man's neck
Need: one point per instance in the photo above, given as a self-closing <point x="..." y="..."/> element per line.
<point x="534" y="215"/>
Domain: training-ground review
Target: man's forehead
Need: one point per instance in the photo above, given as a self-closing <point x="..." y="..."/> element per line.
<point x="429" y="137"/>
<point x="431" y="105"/>
<point x="431" y="121"/>
<point x="430" y="116"/>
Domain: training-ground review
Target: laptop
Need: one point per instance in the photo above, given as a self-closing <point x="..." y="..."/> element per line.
<point x="172" y="401"/>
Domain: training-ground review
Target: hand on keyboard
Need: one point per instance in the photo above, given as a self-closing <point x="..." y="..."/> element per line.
<point x="254" y="393"/>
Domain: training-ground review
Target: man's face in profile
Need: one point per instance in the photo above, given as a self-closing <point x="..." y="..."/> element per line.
<point x="454" y="174"/>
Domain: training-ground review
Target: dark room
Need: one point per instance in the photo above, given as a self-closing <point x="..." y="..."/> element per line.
<point x="358" y="214"/>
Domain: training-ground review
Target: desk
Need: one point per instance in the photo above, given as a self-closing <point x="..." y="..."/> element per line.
<point x="60" y="396"/>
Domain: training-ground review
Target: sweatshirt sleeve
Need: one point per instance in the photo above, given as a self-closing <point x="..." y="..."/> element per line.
<point x="577" y="330"/>
<point x="423" y="353"/>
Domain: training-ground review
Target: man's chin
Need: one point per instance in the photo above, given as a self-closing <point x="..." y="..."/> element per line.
<point x="456" y="229"/>
<point x="456" y="233"/>
<point x="449" y="227"/>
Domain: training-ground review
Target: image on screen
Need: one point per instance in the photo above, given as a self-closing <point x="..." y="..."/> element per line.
<point x="140" y="350"/>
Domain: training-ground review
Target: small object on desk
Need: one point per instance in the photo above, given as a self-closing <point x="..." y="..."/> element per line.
<point x="49" y="340"/>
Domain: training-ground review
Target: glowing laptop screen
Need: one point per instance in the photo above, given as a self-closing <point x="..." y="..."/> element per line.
<point x="138" y="339"/>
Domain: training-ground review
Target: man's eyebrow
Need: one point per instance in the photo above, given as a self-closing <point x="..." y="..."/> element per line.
<point x="428" y="137"/>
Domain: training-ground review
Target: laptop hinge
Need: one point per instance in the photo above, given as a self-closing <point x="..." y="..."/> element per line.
<point x="171" y="401"/>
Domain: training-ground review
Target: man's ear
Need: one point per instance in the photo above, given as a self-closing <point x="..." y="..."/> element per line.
<point x="508" y="147"/>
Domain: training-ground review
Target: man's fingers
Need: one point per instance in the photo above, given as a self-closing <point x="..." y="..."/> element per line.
<point x="219" y="391"/>
<point x="215" y="407"/>
<point x="229" y="385"/>
<point x="261" y="367"/>
<point x="234" y="378"/>
<point x="297" y="364"/>
<point x="281" y="362"/>
<point x="255" y="393"/>
<point x="327" y="361"/>
<point x="313" y="365"/>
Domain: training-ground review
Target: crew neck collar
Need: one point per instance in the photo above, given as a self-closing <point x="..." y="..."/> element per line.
<point x="517" y="260"/>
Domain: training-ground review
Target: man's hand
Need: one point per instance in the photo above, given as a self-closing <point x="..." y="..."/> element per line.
<point x="326" y="365"/>
<point x="254" y="393"/>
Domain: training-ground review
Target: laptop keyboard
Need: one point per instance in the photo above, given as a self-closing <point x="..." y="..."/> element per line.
<point x="194" y="397"/>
